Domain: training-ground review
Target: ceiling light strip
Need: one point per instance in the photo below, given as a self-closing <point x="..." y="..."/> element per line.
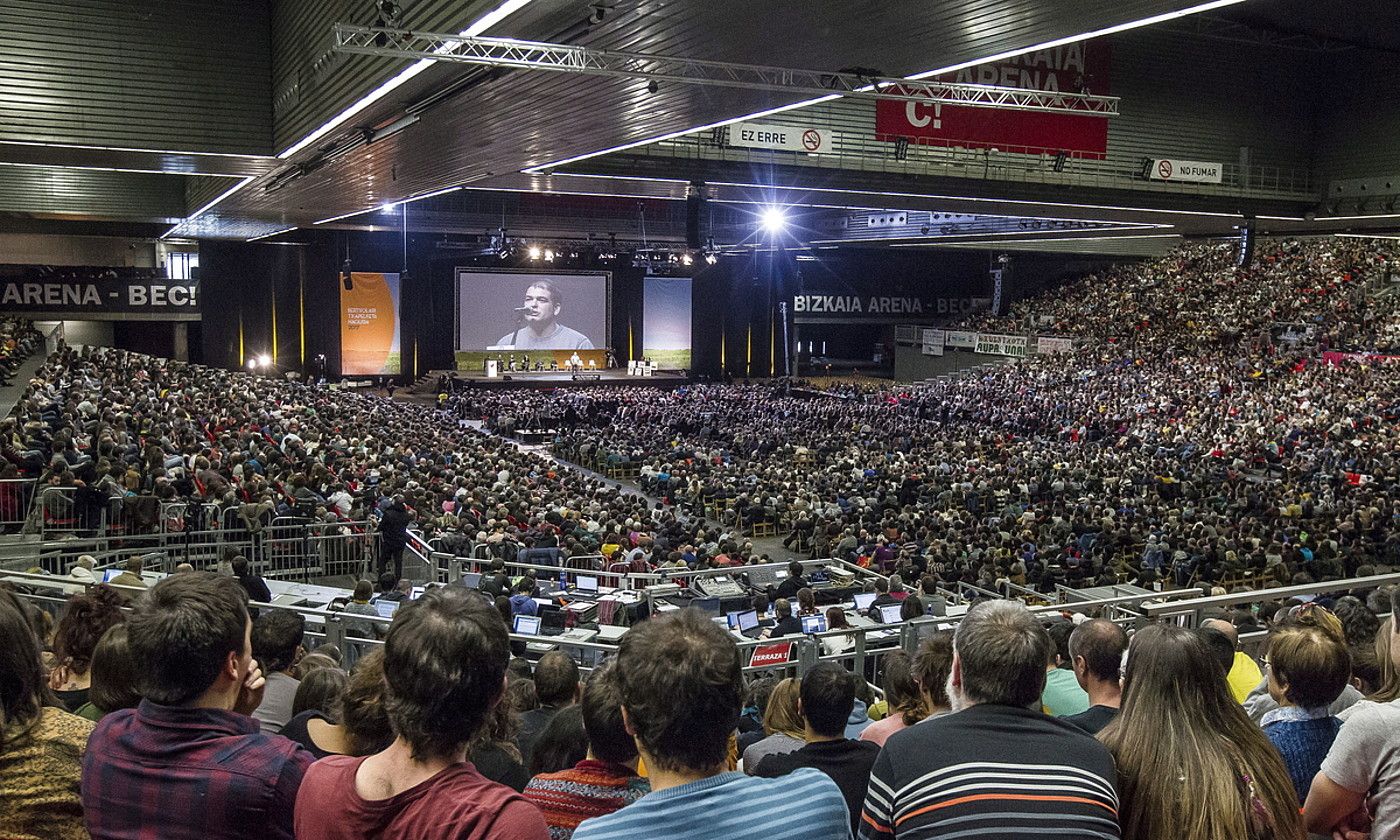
<point x="242" y="182"/>
<point x="132" y="149"/>
<point x="274" y="233"/>
<point x="478" y="27"/>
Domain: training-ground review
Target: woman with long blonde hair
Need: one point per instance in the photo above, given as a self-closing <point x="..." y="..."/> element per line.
<point x="783" y="723"/>
<point x="1191" y="765"/>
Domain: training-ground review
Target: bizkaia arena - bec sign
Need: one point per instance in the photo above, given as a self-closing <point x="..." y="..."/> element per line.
<point x="1081" y="67"/>
<point x="95" y="291"/>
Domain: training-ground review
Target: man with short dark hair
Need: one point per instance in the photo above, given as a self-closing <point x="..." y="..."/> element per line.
<point x="682" y="682"/>
<point x="995" y="768"/>
<point x="1096" y="649"/>
<point x="794" y="581"/>
<point x="277" y="636"/>
<point x="827" y="696"/>
<point x="557" y="686"/>
<point x="189" y="763"/>
<point x="606" y="779"/>
<point x="784" y="622"/>
<point x="444" y="671"/>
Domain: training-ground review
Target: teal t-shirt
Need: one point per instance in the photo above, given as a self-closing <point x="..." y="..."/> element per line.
<point x="1062" y="695"/>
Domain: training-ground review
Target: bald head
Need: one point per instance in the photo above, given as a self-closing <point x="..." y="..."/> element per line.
<point x="1223" y="627"/>
<point x="1101" y="644"/>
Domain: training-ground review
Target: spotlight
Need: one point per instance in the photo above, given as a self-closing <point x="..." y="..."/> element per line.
<point x="504" y="254"/>
<point x="652" y="86"/>
<point x="773" y="220"/>
<point x="711" y="259"/>
<point x="548" y="255"/>
<point x="535" y="252"/>
<point x="265" y="360"/>
<point x="388" y="208"/>
<point x="252" y="364"/>
<point x="687" y="259"/>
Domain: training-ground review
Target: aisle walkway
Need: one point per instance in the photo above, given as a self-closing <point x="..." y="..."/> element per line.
<point x="10" y="394"/>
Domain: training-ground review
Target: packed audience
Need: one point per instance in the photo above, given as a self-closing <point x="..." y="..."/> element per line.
<point x="1197" y="449"/>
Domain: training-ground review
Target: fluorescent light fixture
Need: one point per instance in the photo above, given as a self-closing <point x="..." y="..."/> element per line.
<point x="388" y="208"/>
<point x="478" y="27"/>
<point x="343" y="216"/>
<point x="1040" y="241"/>
<point x="443" y="191"/>
<point x="1366" y="236"/>
<point x="243" y="182"/>
<point x="1357" y="218"/>
<point x="29" y="165"/>
<point x="269" y="235"/>
<point x="133" y="149"/>
<point x="953" y="68"/>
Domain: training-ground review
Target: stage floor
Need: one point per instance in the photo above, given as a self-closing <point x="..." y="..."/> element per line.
<point x="565" y="379"/>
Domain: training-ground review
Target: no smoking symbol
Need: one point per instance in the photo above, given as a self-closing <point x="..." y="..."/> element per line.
<point x="1164" y="168"/>
<point x="811" y="140"/>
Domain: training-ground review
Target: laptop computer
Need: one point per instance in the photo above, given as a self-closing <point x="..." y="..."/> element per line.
<point x="586" y="584"/>
<point x="813" y="624"/>
<point x="471" y="580"/>
<point x="108" y="574"/>
<point x="527" y="625"/>
<point x="889" y="614"/>
<point x="416" y="592"/>
<point x="745" y="623"/>
<point x="386" y="608"/>
<point x="864" y="600"/>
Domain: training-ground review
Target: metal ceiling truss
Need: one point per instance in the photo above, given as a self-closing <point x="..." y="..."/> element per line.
<point x="565" y="58"/>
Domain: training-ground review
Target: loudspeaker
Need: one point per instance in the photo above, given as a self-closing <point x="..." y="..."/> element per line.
<point x="697" y="214"/>
<point x="1245" y="258"/>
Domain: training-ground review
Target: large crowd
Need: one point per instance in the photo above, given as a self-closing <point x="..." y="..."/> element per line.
<point x="1179" y="438"/>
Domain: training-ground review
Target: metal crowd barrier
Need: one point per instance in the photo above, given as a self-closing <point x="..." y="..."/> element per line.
<point x="16" y="499"/>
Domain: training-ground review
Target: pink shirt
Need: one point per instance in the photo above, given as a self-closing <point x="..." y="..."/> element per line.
<point x="456" y="804"/>
<point x="880" y="731"/>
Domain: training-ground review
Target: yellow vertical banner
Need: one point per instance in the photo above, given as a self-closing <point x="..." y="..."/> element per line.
<point x="369" y="325"/>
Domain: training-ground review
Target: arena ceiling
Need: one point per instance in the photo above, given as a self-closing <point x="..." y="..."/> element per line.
<point x="451" y="126"/>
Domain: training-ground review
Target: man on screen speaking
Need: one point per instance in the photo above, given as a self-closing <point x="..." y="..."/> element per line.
<point x="537" y="323"/>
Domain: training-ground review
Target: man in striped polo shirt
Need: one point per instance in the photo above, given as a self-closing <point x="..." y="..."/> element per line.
<point x="682" y="686"/>
<point x="995" y="770"/>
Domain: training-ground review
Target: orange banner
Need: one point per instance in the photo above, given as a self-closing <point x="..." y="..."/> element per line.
<point x="369" y="325"/>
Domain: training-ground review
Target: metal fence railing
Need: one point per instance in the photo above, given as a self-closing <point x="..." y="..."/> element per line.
<point x="16" y="499"/>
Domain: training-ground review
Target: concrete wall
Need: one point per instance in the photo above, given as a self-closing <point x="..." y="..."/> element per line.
<point x="911" y="365"/>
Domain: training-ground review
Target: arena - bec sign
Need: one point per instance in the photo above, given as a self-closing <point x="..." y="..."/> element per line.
<point x="1001" y="345"/>
<point x="783" y="138"/>
<point x="1186" y="171"/>
<point x="819" y="307"/>
<point x="95" y="292"/>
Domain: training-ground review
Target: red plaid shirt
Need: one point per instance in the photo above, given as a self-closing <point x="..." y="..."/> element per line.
<point x="173" y="773"/>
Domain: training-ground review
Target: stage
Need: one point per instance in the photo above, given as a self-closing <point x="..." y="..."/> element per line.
<point x="544" y="379"/>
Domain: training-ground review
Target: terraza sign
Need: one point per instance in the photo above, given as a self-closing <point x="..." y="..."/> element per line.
<point x="87" y="290"/>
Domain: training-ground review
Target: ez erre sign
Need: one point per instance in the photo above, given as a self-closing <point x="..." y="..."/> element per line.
<point x="780" y="137"/>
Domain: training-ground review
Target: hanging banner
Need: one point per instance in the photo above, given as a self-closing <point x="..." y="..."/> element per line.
<point x="1185" y="171"/>
<point x="783" y="138"/>
<point x="96" y="293"/>
<point x="1047" y="344"/>
<point x="1001" y="345"/>
<point x="962" y="339"/>
<point x="1081" y="67"/>
<point x="666" y="322"/>
<point x="933" y="342"/>
<point x="369" y="325"/>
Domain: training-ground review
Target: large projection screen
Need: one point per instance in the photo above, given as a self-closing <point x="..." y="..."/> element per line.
<point x="666" y="322"/>
<point x="523" y="312"/>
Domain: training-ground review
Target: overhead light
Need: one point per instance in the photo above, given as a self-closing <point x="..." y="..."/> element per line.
<point x="388" y="208"/>
<point x="548" y="255"/>
<point x="135" y="149"/>
<point x="243" y="182"/>
<point x="270" y="235"/>
<point x="687" y="259"/>
<point x="1048" y="45"/>
<point x="773" y="220"/>
<point x="478" y="27"/>
<point x="265" y="360"/>
<point x="252" y="364"/>
<point x="535" y="252"/>
<point x="711" y="259"/>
